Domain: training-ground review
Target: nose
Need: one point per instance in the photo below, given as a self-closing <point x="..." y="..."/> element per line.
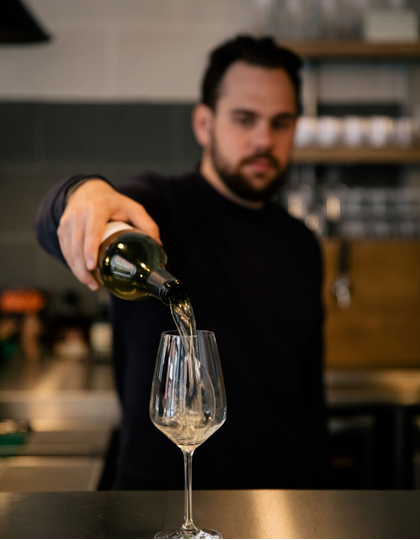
<point x="263" y="140"/>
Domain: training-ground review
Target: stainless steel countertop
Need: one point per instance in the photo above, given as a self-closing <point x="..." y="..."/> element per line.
<point x="59" y="389"/>
<point x="72" y="408"/>
<point x="373" y="386"/>
<point x="236" y="514"/>
<point x="72" y="389"/>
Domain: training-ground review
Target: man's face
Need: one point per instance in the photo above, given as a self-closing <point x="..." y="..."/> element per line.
<point x="252" y="130"/>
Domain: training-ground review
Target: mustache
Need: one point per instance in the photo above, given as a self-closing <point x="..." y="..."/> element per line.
<point x="273" y="161"/>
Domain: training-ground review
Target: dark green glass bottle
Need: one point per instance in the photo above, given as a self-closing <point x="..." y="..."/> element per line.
<point x="132" y="266"/>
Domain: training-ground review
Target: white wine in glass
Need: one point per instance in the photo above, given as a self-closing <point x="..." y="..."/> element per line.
<point x="188" y="404"/>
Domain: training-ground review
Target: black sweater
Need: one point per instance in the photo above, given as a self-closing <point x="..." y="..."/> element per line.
<point x="255" y="280"/>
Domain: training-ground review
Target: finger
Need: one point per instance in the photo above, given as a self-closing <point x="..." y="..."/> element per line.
<point x="79" y="267"/>
<point x="143" y="221"/>
<point x="64" y="238"/>
<point x="94" y="232"/>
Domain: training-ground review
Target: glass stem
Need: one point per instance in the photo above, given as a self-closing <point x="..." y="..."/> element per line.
<point x="188" y="517"/>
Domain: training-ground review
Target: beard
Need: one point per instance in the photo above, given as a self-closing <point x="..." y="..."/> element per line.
<point x="239" y="184"/>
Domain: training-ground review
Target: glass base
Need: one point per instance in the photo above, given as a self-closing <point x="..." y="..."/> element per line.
<point x="184" y="533"/>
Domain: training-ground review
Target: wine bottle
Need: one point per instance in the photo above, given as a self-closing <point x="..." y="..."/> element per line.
<point x="132" y="266"/>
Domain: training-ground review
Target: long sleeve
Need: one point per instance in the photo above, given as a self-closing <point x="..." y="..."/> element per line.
<point x="313" y="383"/>
<point x="50" y="211"/>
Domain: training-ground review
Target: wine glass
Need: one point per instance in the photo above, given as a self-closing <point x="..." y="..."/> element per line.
<point x="188" y="404"/>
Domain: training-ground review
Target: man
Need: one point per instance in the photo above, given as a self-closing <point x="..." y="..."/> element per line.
<point x="253" y="272"/>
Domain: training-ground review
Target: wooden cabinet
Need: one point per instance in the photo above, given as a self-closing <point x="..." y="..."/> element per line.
<point x="381" y="328"/>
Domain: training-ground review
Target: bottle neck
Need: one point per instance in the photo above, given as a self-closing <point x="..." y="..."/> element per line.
<point x="164" y="286"/>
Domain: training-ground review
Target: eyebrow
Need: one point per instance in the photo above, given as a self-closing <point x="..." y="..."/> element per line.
<point x="280" y="116"/>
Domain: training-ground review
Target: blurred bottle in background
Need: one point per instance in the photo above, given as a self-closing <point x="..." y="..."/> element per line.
<point x="100" y="334"/>
<point x="334" y="195"/>
<point x="9" y="337"/>
<point x="22" y="324"/>
<point x="342" y="19"/>
<point x="306" y="20"/>
<point x="69" y="328"/>
<point x="295" y="20"/>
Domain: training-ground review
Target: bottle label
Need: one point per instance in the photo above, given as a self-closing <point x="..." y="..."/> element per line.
<point x="115" y="226"/>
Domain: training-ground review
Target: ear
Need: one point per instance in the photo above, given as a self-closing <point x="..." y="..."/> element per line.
<point x="202" y="120"/>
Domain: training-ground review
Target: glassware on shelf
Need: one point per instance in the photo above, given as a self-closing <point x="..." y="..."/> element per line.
<point x="299" y="198"/>
<point x="407" y="203"/>
<point x="329" y="131"/>
<point x="380" y="131"/>
<point x="354" y="229"/>
<point x="342" y="19"/>
<point x="356" y="213"/>
<point x="305" y="131"/>
<point x="354" y="202"/>
<point x="407" y="229"/>
<point x="354" y="130"/>
<point x="379" y="229"/>
<point x="296" y="20"/>
<point x="315" y="221"/>
<point x="377" y="201"/>
<point x="406" y="131"/>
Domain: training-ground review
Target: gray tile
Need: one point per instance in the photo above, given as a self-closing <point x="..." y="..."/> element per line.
<point x="17" y="131"/>
<point x="165" y="168"/>
<point x="184" y="144"/>
<point x="97" y="133"/>
<point x="107" y="133"/>
<point x="21" y="190"/>
<point x="42" y="143"/>
<point x="54" y="277"/>
<point x="17" y="259"/>
<point x="23" y="186"/>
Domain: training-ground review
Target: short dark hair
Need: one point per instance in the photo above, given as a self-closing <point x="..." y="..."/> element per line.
<point x="262" y="51"/>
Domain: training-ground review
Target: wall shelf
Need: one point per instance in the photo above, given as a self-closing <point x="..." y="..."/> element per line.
<point x="344" y="154"/>
<point x="350" y="50"/>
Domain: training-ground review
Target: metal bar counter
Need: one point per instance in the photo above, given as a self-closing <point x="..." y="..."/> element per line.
<point x="236" y="514"/>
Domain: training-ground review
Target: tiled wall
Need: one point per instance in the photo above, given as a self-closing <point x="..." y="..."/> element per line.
<point x="122" y="49"/>
<point x="156" y="50"/>
<point x="41" y="143"/>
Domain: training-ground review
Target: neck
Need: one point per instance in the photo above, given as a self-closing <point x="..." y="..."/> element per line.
<point x="212" y="177"/>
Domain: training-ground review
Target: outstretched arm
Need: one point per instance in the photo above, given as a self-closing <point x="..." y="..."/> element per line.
<point x="71" y="228"/>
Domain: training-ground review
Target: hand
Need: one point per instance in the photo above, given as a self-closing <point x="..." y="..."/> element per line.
<point x="82" y="225"/>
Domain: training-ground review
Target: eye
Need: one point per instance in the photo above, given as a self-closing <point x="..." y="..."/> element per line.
<point x="282" y="123"/>
<point x="243" y="119"/>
